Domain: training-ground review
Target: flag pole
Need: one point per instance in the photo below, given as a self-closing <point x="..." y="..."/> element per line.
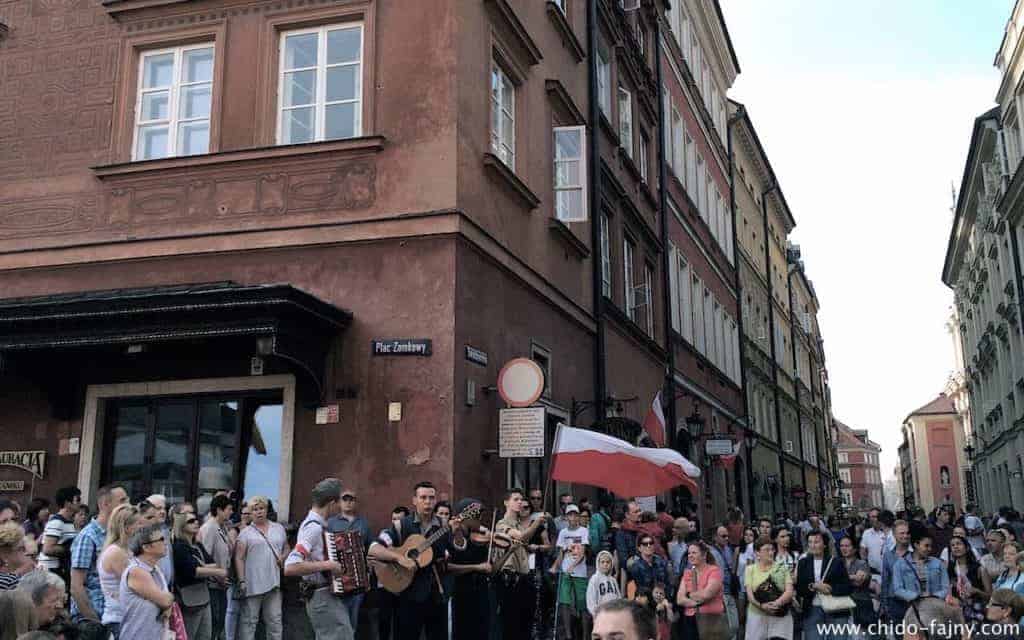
<point x="551" y="466"/>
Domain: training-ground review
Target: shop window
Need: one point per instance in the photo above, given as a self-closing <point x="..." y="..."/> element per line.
<point x="188" y="448"/>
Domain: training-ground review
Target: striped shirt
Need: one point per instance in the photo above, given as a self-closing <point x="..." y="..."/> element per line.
<point x="64" y="531"/>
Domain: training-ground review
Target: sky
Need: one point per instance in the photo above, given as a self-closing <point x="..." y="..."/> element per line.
<point x="865" y="110"/>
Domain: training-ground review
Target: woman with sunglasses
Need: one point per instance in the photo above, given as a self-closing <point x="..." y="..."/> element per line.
<point x="193" y="566"/>
<point x="145" y="600"/>
<point x="14" y="561"/>
<point x="1003" y="616"/>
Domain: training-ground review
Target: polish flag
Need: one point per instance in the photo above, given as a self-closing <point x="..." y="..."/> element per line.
<point x="729" y="461"/>
<point x="654" y="423"/>
<point x="589" y="457"/>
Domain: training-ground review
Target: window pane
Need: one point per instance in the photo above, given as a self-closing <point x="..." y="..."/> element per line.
<point x="299" y="88"/>
<point x="344" y="45"/>
<point x="193" y="138"/>
<point x="195" y="102"/>
<point x="154" y="106"/>
<point x="129" y="451"/>
<point x="342" y="83"/>
<point x="507" y="130"/>
<point x="152" y="142"/>
<point x="174" y="422"/>
<point x="297" y="125"/>
<point x="567" y="144"/>
<point x="506" y="94"/>
<point x="300" y="51"/>
<point x="340" y="121"/>
<point x="158" y="71"/>
<point x="570" y="204"/>
<point x="218" y="424"/>
<point x="198" y="65"/>
<point x="567" y="173"/>
<point x="263" y="457"/>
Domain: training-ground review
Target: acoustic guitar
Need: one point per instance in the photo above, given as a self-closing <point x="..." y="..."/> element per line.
<point x="396" y="578"/>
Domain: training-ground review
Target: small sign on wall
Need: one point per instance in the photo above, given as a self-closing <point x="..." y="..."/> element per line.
<point x="11" y="485"/>
<point x="331" y="414"/>
<point x="521" y="432"/>
<point x="401" y="347"/>
<point x="32" y="461"/>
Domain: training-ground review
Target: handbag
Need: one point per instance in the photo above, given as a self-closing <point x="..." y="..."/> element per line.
<point x="710" y="626"/>
<point x="768" y="591"/>
<point x="176" y="623"/>
<point x="834" y="604"/>
<point x="198" y="594"/>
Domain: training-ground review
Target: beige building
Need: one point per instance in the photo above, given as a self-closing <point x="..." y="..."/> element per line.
<point x="787" y="394"/>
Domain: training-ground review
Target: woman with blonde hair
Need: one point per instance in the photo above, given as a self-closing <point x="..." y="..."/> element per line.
<point x="14" y="561"/>
<point x="259" y="556"/>
<point x="113" y="560"/>
<point x="17" y="614"/>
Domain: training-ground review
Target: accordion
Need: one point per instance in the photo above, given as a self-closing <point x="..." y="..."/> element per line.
<point x="346" y="548"/>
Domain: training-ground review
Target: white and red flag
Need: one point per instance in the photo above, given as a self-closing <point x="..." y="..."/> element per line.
<point x="654" y="422"/>
<point x="730" y="460"/>
<point x="588" y="457"/>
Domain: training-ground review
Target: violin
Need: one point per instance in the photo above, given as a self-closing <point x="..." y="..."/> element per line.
<point x="500" y="540"/>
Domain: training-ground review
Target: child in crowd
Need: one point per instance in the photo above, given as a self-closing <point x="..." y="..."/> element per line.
<point x="602" y="586"/>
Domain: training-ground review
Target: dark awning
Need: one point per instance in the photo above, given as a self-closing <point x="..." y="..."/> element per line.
<point x="291" y="323"/>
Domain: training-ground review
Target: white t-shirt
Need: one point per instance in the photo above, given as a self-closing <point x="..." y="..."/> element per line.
<point x="877" y="543"/>
<point x="574" y="542"/>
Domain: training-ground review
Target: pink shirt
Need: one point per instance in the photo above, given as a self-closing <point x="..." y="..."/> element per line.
<point x="716" y="604"/>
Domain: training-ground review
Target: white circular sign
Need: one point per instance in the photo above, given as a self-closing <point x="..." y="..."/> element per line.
<point x="520" y="382"/>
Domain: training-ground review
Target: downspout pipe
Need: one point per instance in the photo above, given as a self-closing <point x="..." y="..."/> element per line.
<point x="737" y="117"/>
<point x="594" y="194"/>
<point x="666" y="260"/>
<point x="1014" y="243"/>
<point x="796" y="386"/>
<point x="771" y="336"/>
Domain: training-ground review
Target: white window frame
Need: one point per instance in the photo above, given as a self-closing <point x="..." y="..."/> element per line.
<point x="844" y="475"/>
<point x="606" y="257"/>
<point x="173" y="94"/>
<point x="625" y="99"/>
<point x="685" y="297"/>
<point x="843" y="457"/>
<point x="645" y="149"/>
<point x="581" y="159"/>
<point x="709" y="325"/>
<point x="678" y="148"/>
<point x="649" y="295"/>
<point x="604" y="79"/>
<point x="321" y="104"/>
<point x="697" y="289"/>
<point x="545" y="354"/>
<point x="499" y="135"/>
<point x="629" y="292"/>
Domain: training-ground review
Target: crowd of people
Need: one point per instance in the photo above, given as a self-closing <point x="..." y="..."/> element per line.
<point x="153" y="571"/>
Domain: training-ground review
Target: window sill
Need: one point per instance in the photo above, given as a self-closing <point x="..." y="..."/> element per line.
<point x="565" y="29"/>
<point x="609" y="129"/>
<point x="569" y="237"/>
<point x="350" y="146"/>
<point x="630" y="164"/>
<point x="511" y="180"/>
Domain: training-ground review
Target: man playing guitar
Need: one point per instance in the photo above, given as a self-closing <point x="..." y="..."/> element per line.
<point x="327" y="613"/>
<point x="421" y="607"/>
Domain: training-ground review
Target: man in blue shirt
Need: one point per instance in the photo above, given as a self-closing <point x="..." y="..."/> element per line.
<point x="350" y="520"/>
<point x="86" y="595"/>
<point x="918" y="574"/>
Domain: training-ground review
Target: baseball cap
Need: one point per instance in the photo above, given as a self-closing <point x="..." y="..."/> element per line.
<point x="572" y="509"/>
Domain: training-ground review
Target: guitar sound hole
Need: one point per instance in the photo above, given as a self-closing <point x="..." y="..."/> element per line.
<point x="413" y="554"/>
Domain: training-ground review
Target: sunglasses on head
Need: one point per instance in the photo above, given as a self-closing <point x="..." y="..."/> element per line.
<point x="155" y="540"/>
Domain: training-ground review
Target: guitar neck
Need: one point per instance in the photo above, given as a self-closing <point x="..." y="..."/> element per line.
<point x="434" y="537"/>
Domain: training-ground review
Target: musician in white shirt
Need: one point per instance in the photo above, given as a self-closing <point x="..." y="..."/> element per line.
<point x="327" y="612"/>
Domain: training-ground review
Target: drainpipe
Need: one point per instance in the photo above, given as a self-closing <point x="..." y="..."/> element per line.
<point x="796" y="383"/>
<point x="1014" y="243"/>
<point x="593" y="164"/>
<point x="737" y="117"/>
<point x="666" y="261"/>
<point x="771" y="337"/>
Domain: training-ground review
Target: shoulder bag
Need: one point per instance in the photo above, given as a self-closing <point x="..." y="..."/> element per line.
<point x="768" y="591"/>
<point x="834" y="604"/>
<point x="710" y="626"/>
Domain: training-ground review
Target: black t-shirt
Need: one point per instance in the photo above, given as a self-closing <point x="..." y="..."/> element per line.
<point x="424" y="583"/>
<point x="472" y="554"/>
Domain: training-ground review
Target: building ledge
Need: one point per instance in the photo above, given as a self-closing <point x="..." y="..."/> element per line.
<point x="511" y="181"/>
<point x="350" y="146"/>
<point x="565" y="30"/>
<point x="518" y="31"/>
<point x="116" y="8"/>
<point x="560" y="96"/>
<point x="570" y="238"/>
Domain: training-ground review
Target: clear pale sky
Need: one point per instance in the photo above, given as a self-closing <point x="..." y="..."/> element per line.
<point x="865" y="110"/>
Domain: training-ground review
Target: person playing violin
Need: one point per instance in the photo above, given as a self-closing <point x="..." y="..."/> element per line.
<point x="471" y="569"/>
<point x="514" y="589"/>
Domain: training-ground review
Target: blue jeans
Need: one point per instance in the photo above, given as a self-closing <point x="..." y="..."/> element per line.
<point x="353" y="604"/>
<point x="814" y="621"/>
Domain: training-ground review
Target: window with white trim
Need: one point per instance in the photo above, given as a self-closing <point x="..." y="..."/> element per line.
<point x="697" y="289"/>
<point x="628" y="284"/>
<point x="626" y="120"/>
<point x="678" y="148"/>
<point x="649" y="299"/>
<point x="701" y="197"/>
<point x="172" y="109"/>
<point x="503" y="116"/>
<point x="644" y="151"/>
<point x="570" y="174"/>
<point x="560" y="4"/>
<point x="604" y="80"/>
<point x="606" y="258"/>
<point x="844" y="475"/>
<point x="691" y="167"/>
<point x="542" y="356"/>
<point x="709" y="325"/>
<point x="320" y="92"/>
<point x="843" y="457"/>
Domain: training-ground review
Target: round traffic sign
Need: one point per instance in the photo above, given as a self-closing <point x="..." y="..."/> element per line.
<point x="520" y="382"/>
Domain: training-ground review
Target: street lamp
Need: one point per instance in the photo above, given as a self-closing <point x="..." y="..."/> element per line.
<point x="695" y="423"/>
<point x="969" y="450"/>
